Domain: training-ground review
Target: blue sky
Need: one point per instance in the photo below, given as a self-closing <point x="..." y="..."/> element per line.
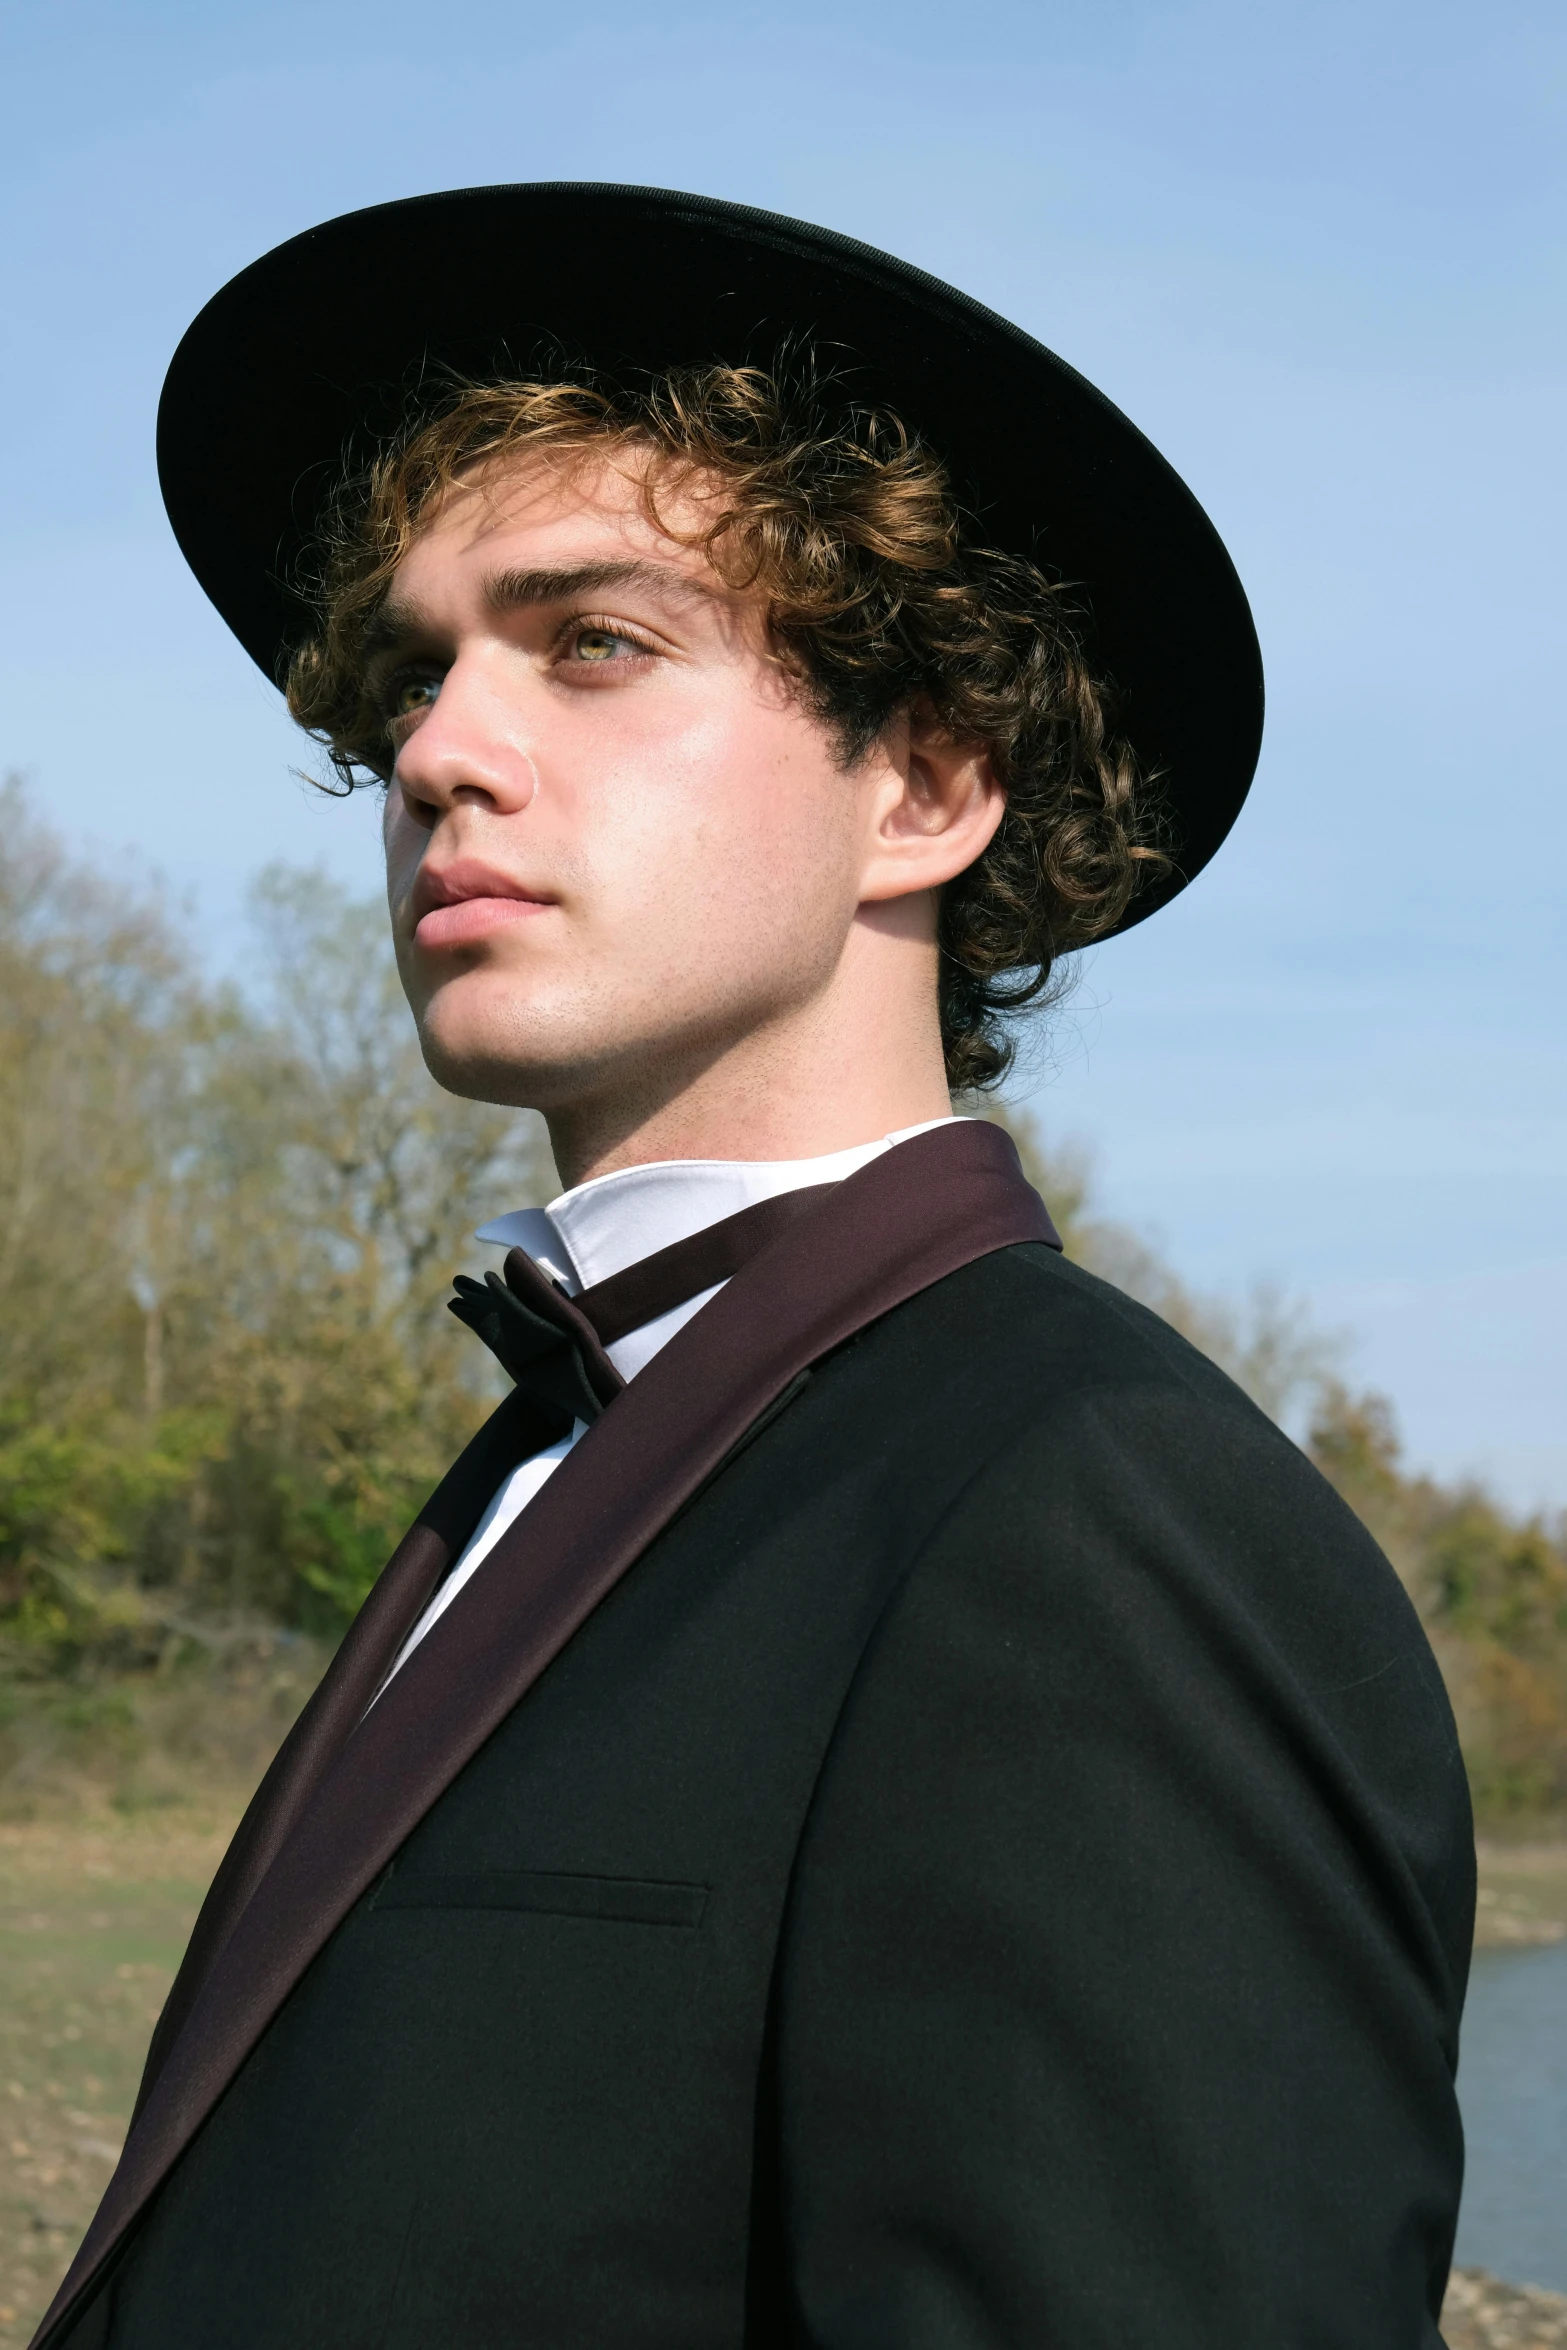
<point x="1315" y="251"/>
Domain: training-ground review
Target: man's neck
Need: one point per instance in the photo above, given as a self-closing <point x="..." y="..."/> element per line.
<point x="749" y="1107"/>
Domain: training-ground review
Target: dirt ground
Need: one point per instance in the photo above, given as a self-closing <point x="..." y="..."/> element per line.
<point x="92" y="1923"/>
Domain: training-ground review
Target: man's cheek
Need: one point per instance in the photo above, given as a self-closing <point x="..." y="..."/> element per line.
<point x="403" y="850"/>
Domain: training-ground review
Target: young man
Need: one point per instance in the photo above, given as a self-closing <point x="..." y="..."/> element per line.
<point x="881" y="1803"/>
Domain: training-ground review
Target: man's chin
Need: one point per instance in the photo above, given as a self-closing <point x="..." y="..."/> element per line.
<point x="557" y="1049"/>
<point x="483" y="1040"/>
<point x="528" y="1061"/>
<point x="483" y="1072"/>
<point x="507" y="1053"/>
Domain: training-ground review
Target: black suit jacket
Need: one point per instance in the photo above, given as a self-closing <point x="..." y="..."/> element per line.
<point x="995" y="1872"/>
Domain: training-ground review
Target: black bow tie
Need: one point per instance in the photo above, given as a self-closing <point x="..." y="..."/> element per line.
<point x="554" y="1345"/>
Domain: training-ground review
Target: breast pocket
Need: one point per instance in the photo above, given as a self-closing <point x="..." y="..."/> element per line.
<point x="641" y="1901"/>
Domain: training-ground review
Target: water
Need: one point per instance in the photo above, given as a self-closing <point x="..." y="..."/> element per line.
<point x="1512" y="2086"/>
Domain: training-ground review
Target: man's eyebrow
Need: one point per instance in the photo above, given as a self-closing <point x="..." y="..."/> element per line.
<point x="518" y="591"/>
<point x="396" y="624"/>
<point x="391" y="626"/>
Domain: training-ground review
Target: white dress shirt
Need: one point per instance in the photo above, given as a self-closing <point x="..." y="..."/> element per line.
<point x="599" y="1229"/>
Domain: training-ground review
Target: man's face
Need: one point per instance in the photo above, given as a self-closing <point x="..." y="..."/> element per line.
<point x="616" y="840"/>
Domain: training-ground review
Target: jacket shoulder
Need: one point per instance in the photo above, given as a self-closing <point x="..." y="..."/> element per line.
<point x="1107" y="1429"/>
<point x="1132" y="1519"/>
<point x="1056" y="1328"/>
<point x="1126" y="1946"/>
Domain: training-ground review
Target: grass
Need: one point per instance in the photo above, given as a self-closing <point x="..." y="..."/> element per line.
<point x="93" y="1918"/>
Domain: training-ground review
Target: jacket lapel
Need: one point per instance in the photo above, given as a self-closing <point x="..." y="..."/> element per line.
<point x="351" y="1785"/>
<point x="339" y="1702"/>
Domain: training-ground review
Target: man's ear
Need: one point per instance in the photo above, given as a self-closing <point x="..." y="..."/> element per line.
<point x="936" y="810"/>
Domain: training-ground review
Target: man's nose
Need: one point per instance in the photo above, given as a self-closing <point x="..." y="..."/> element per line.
<point x="471" y="749"/>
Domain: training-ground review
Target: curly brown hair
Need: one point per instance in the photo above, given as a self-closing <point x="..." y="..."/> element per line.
<point x="877" y="601"/>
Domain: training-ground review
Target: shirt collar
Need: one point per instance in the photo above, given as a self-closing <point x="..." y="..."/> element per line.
<point x="599" y="1228"/>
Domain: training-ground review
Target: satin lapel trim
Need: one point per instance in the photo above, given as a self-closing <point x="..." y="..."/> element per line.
<point x="910" y="1217"/>
<point x="338" y="1704"/>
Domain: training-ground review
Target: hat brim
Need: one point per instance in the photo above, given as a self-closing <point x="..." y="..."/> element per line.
<point x="315" y="351"/>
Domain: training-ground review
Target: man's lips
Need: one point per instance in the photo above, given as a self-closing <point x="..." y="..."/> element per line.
<point x="471" y="918"/>
<point x="468" y="902"/>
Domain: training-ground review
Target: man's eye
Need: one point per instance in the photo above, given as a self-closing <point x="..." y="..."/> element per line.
<point x="600" y="644"/>
<point x="409" y="695"/>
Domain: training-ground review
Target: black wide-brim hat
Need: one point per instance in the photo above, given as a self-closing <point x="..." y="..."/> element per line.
<point x="315" y="353"/>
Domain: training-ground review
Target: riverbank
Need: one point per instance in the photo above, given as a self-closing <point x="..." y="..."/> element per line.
<point x="1481" y="2313"/>
<point x="1523" y="1895"/>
